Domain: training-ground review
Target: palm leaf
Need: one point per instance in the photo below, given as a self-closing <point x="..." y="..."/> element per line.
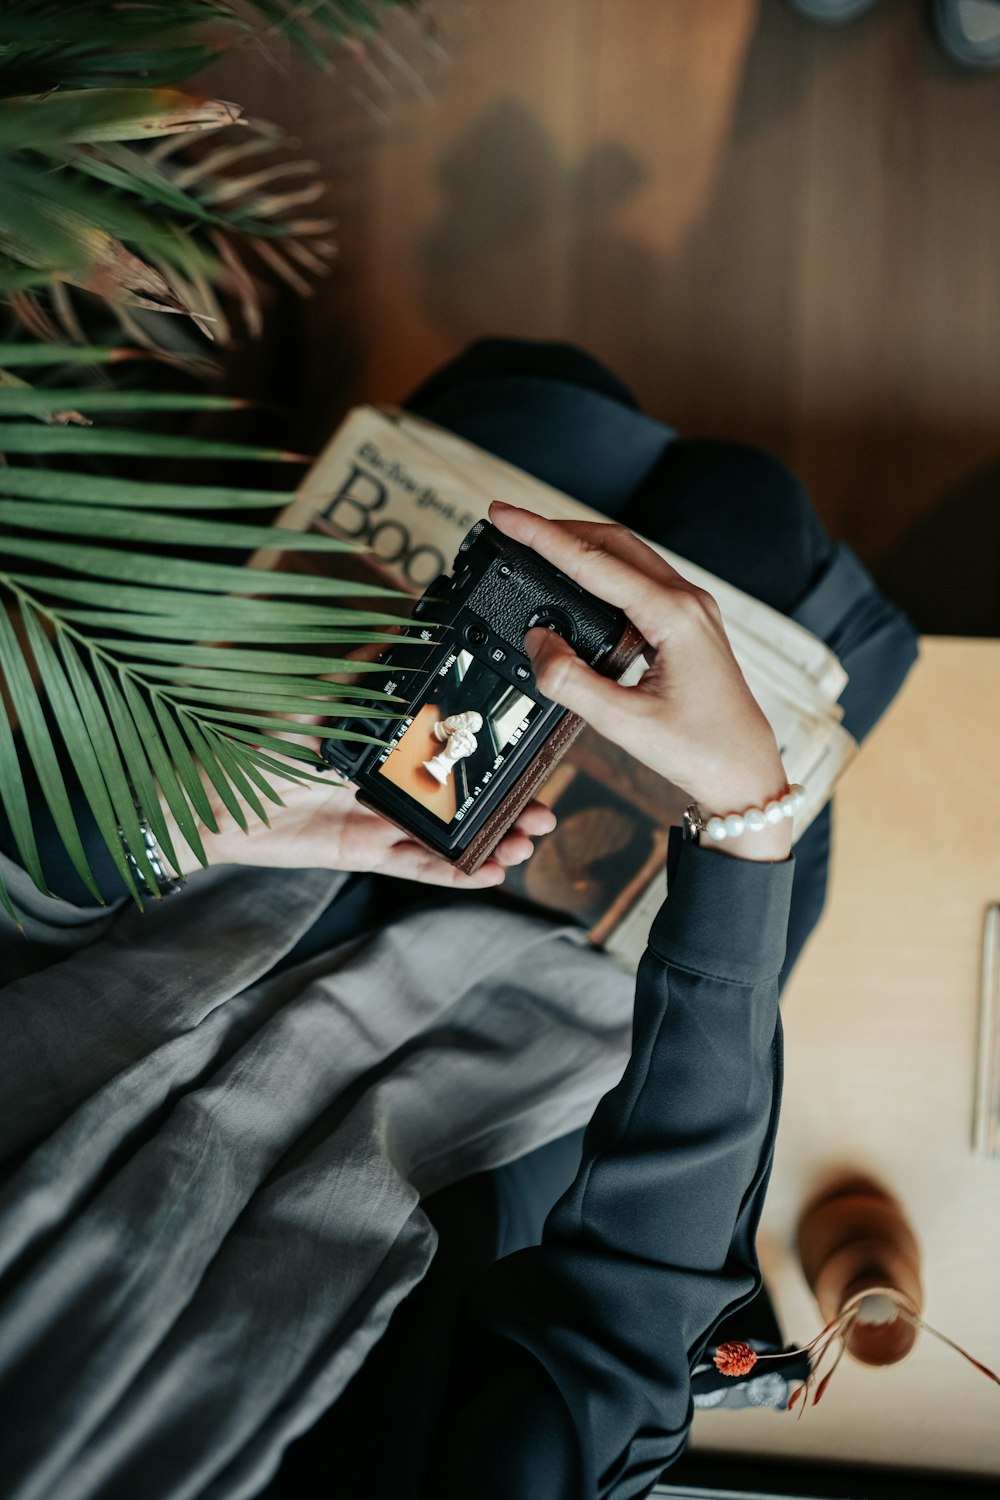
<point x="27" y="706"/>
<point x="239" y="755"/>
<point x="128" y="567"/>
<point x="16" y="806"/>
<point x="21" y="354"/>
<point x="89" y="116"/>
<point x="231" y="769"/>
<point x="18" y="438"/>
<point x="121" y="525"/>
<point x="257" y="739"/>
<point x="292" y="665"/>
<point x="277" y="703"/>
<point x="91" y="41"/>
<point x="206" y="758"/>
<point x="82" y="738"/>
<point x="136" y="211"/>
<point x="163" y="602"/>
<point x="27" y="402"/>
<point x="151" y="198"/>
<point x="229" y="717"/>
<point x="260" y="633"/>
<point x="133" y="757"/>
<point x="122" y="670"/>
<point x="103" y="489"/>
<point x="163" y="767"/>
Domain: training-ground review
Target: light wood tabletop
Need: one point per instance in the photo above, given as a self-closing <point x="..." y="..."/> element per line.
<point x="881" y="1025"/>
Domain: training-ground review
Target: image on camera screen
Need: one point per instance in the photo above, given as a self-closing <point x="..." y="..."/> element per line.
<point x="459" y="739"/>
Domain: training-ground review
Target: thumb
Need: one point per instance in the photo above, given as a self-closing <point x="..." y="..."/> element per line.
<point x="563" y="677"/>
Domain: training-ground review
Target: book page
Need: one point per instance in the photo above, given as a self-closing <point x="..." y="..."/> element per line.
<point x="773" y="630"/>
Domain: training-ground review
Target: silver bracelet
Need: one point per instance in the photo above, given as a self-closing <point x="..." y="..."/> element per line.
<point x="751" y="820"/>
<point x="166" y="883"/>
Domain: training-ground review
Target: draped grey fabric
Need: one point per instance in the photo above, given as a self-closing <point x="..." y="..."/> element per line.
<point x="210" y="1176"/>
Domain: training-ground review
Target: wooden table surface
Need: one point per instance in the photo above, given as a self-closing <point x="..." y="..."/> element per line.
<point x="881" y="1024"/>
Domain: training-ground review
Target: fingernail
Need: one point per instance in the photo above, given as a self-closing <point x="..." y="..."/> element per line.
<point x="535" y="640"/>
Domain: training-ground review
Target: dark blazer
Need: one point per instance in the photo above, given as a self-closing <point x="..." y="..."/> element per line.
<point x="562" y="1371"/>
<point x="571" y="1373"/>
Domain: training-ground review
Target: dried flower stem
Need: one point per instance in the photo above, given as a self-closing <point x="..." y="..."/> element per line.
<point x="737" y="1358"/>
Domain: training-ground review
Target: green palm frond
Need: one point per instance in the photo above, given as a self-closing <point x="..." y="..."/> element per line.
<point x="97" y="43"/>
<point x="143" y="668"/>
<point x="102" y="191"/>
<point x="104" y="183"/>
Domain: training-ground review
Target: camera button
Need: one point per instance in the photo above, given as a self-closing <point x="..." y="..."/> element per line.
<point x="522" y="673"/>
<point x="555" y="619"/>
<point x="498" y="654"/>
<point x="476" y="635"/>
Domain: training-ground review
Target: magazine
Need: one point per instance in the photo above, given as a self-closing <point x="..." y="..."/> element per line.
<point x="409" y="491"/>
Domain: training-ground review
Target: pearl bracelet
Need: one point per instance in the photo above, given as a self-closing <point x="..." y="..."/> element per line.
<point x="751" y="820"/>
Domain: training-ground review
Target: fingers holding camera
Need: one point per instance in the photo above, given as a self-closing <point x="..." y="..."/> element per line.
<point x="536" y="820"/>
<point x="566" y="679"/>
<point x="408" y="860"/>
<point x="692" y="717"/>
<point x="609" y="560"/>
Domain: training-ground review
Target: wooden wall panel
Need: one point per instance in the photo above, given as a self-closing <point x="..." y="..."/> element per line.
<point x="775" y="232"/>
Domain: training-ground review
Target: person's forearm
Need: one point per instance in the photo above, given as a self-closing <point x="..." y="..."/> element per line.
<point x="580" y="1350"/>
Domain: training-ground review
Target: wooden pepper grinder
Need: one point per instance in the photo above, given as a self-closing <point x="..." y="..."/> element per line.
<point x="858" y="1251"/>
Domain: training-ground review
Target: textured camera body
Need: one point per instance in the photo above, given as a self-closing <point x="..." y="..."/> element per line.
<point x="512" y="588"/>
<point x="478" y="738"/>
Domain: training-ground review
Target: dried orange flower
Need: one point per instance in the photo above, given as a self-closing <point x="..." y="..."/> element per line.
<point x="735" y="1358"/>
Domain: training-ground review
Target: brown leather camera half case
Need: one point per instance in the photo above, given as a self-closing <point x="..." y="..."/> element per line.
<point x="615" y="664"/>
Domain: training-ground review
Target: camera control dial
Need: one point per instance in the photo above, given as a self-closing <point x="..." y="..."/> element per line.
<point x="551" y="618"/>
<point x="470" y="537"/>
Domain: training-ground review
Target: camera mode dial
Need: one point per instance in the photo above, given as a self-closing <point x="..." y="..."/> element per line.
<point x="470" y="537"/>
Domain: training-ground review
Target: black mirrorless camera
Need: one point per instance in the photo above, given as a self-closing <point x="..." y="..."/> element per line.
<point x="478" y="738"/>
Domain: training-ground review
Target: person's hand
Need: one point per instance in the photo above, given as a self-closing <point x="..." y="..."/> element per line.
<point x="692" y="718"/>
<point x="323" y="826"/>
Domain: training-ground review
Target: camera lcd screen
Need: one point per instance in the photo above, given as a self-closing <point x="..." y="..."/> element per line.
<point x="458" y="741"/>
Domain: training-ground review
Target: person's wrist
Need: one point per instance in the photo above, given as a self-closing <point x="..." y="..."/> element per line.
<point x="770" y="845"/>
<point x="736" y="791"/>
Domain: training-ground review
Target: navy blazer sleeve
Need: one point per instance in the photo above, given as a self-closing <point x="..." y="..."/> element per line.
<point x="572" y="1375"/>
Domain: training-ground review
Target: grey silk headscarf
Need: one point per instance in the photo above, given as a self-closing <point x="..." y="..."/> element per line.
<point x="210" y="1175"/>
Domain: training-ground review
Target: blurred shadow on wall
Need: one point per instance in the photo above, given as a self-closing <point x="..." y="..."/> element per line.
<point x="500" y="255"/>
<point x="507" y="179"/>
<point x="707" y="327"/>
